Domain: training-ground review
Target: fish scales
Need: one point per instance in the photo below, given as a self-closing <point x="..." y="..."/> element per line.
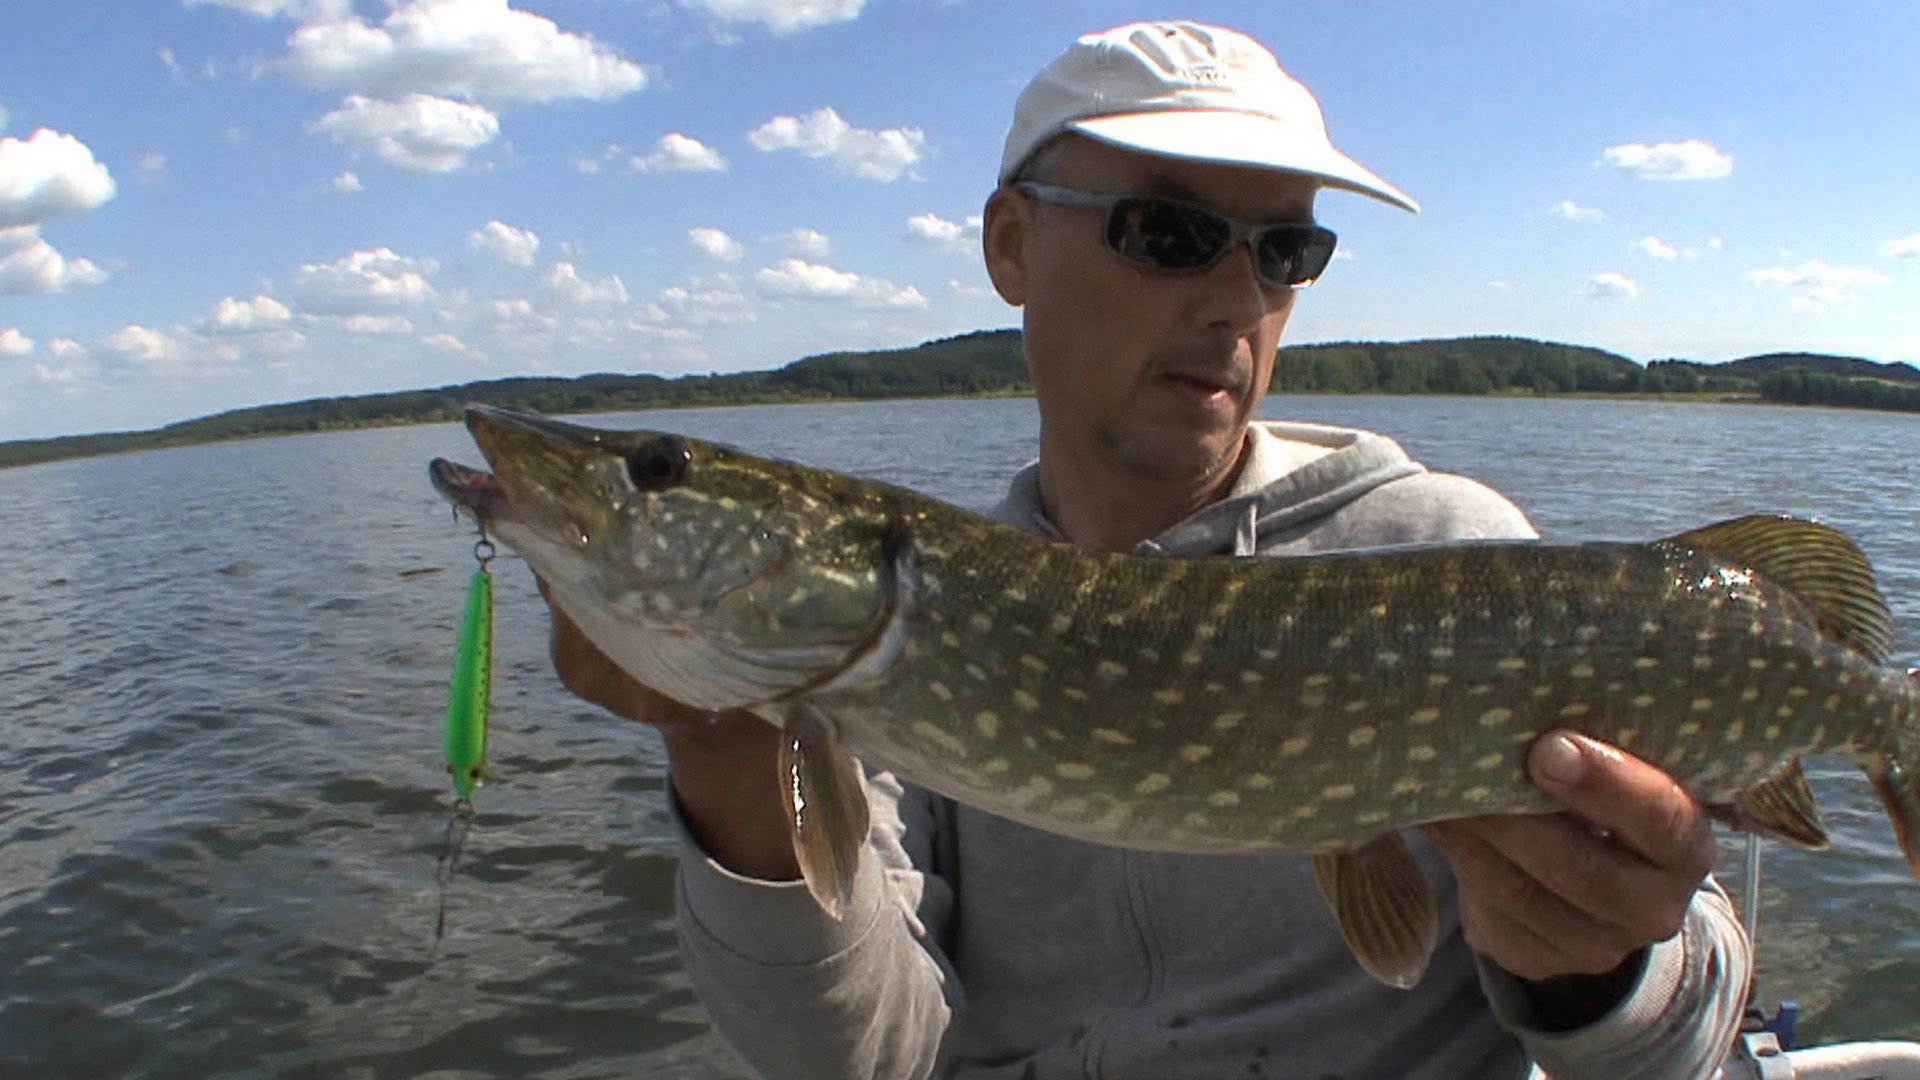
<point x="1313" y="704"/>
<point x="1364" y="701"/>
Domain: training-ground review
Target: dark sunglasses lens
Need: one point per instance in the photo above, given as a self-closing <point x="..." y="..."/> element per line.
<point x="1294" y="254"/>
<point x="1165" y="234"/>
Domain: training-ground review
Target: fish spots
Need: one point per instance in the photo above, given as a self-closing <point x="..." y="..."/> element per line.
<point x="1490" y="761"/>
<point x="1312" y="699"/>
<point x="1495" y="717"/>
<point x="1112" y="737"/>
<point x="1736" y="730"/>
<point x="996" y="767"/>
<point x="1060" y="624"/>
<point x="1437" y="680"/>
<point x="1700" y="704"/>
<point x="1647" y="663"/>
<point x="1424" y="716"/>
<point x="1153" y="784"/>
<point x="1296" y="746"/>
<point x="1772" y="733"/>
<point x="1581" y="671"/>
<point x="1641" y="701"/>
<point x="1015" y="593"/>
<point x="1033" y="663"/>
<point x="1073" y="770"/>
<point x="1026" y="701"/>
<point x="1370" y="817"/>
<point x="976" y="672"/>
<point x="1224" y="798"/>
<point x="1338" y="792"/>
<point x="1387" y="658"/>
<point x="941" y="737"/>
<point x="1227" y="721"/>
<point x="1169" y="696"/>
<point x="1194" y="753"/>
<point x="1691" y="727"/>
<point x="1251" y="677"/>
<point x="1361" y="736"/>
<point x="1110" y="671"/>
<point x="1703" y="662"/>
<point x="1317" y="679"/>
<point x="1195" y="820"/>
<point x="1751" y="693"/>
<point x="1257" y="781"/>
<point x="1441" y="652"/>
<point x="1407" y="785"/>
<point x="1784" y="712"/>
<point x="1575" y="710"/>
<point x="980" y="622"/>
<point x="1477" y="794"/>
<point x="1357" y="705"/>
<point x="1074" y="693"/>
<point x="1422" y="753"/>
<point x="1191" y="658"/>
<point x="988" y="722"/>
<point x="1512" y="663"/>
<point x="940" y="690"/>
<point x="1758" y="663"/>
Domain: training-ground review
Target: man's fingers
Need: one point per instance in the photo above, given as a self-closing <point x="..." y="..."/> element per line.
<point x="1634" y="802"/>
<point x="1514" y="918"/>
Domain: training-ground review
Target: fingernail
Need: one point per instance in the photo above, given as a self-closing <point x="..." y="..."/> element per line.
<point x="1558" y="760"/>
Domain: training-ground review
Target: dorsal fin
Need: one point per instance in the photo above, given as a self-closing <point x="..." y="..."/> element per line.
<point x="1815" y="562"/>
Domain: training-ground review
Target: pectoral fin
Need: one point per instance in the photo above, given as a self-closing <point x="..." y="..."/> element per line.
<point x="825" y="797"/>
<point x="1384" y="906"/>
<point x="1781" y="808"/>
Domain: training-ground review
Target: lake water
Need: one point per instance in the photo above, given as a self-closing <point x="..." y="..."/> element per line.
<point x="223" y="670"/>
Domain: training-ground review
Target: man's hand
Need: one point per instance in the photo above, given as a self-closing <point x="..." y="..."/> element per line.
<point x="1580" y="892"/>
<point x="723" y="766"/>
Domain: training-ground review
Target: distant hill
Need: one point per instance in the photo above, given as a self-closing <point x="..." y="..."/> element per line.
<point x="993" y="362"/>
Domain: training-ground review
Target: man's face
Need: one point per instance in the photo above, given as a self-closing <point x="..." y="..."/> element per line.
<point x="1154" y="372"/>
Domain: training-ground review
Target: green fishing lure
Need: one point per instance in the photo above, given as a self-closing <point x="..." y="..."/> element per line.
<point x="467" y="697"/>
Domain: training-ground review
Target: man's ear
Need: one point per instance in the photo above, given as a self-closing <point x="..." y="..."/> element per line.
<point x="1004" y="231"/>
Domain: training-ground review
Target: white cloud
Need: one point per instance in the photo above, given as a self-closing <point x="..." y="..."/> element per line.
<point x="152" y="163"/>
<point x="303" y="10"/>
<point x="137" y="344"/>
<point x="1902" y="247"/>
<point x="49" y="175"/>
<point x="14" y="343"/>
<point x="806" y="243"/>
<point x="421" y="133"/>
<point x="365" y="281"/>
<point x="947" y="235"/>
<point x="261" y="313"/>
<point x="30" y="265"/>
<point x="702" y="302"/>
<point x="444" y="341"/>
<point x="816" y="281"/>
<point x="3" y="118"/>
<point x="1690" y="160"/>
<point x="717" y="244"/>
<point x="673" y="153"/>
<point x="480" y="50"/>
<point x="516" y="246"/>
<point x="67" y="368"/>
<point x="1655" y="248"/>
<point x="377" y="324"/>
<point x="873" y="155"/>
<point x="1814" y="285"/>
<point x="1612" y="285"/>
<point x="780" y="16"/>
<point x="1573" y="211"/>
<point x="345" y="184"/>
<point x="567" y="284"/>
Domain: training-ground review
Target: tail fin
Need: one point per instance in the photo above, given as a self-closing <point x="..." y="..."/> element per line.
<point x="1897" y="779"/>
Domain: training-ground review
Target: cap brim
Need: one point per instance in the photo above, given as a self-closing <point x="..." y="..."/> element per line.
<point x="1237" y="138"/>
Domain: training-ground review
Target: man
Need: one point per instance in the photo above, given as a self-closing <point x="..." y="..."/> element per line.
<point x="1590" y="942"/>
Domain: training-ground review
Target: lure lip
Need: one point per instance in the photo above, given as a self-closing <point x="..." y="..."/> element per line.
<point x="474" y="490"/>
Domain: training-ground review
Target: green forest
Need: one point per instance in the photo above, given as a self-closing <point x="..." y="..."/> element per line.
<point x="991" y="362"/>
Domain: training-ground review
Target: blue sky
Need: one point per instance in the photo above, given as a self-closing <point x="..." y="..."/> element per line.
<point x="220" y="203"/>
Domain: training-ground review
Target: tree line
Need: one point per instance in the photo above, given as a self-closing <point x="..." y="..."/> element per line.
<point x="993" y="362"/>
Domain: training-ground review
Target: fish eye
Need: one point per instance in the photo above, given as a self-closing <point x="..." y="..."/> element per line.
<point x="660" y="464"/>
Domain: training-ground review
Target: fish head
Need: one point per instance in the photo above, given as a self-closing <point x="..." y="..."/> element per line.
<point x="718" y="578"/>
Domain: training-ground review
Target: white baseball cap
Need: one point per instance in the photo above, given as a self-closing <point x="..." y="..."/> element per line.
<point x="1185" y="90"/>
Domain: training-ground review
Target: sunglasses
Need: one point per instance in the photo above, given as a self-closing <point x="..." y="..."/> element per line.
<point x="1181" y="237"/>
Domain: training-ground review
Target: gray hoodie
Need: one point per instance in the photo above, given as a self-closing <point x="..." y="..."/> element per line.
<point x="977" y="948"/>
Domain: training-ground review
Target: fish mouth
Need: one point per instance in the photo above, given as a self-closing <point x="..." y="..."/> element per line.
<point x="474" y="490"/>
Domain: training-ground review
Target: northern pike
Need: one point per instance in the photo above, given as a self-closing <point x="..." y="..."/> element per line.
<point x="1313" y="704"/>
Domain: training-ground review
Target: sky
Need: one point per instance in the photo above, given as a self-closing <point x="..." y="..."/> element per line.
<point x="210" y="204"/>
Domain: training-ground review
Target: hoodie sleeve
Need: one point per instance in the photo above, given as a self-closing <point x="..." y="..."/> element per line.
<point x="798" y="994"/>
<point x="1676" y="1023"/>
